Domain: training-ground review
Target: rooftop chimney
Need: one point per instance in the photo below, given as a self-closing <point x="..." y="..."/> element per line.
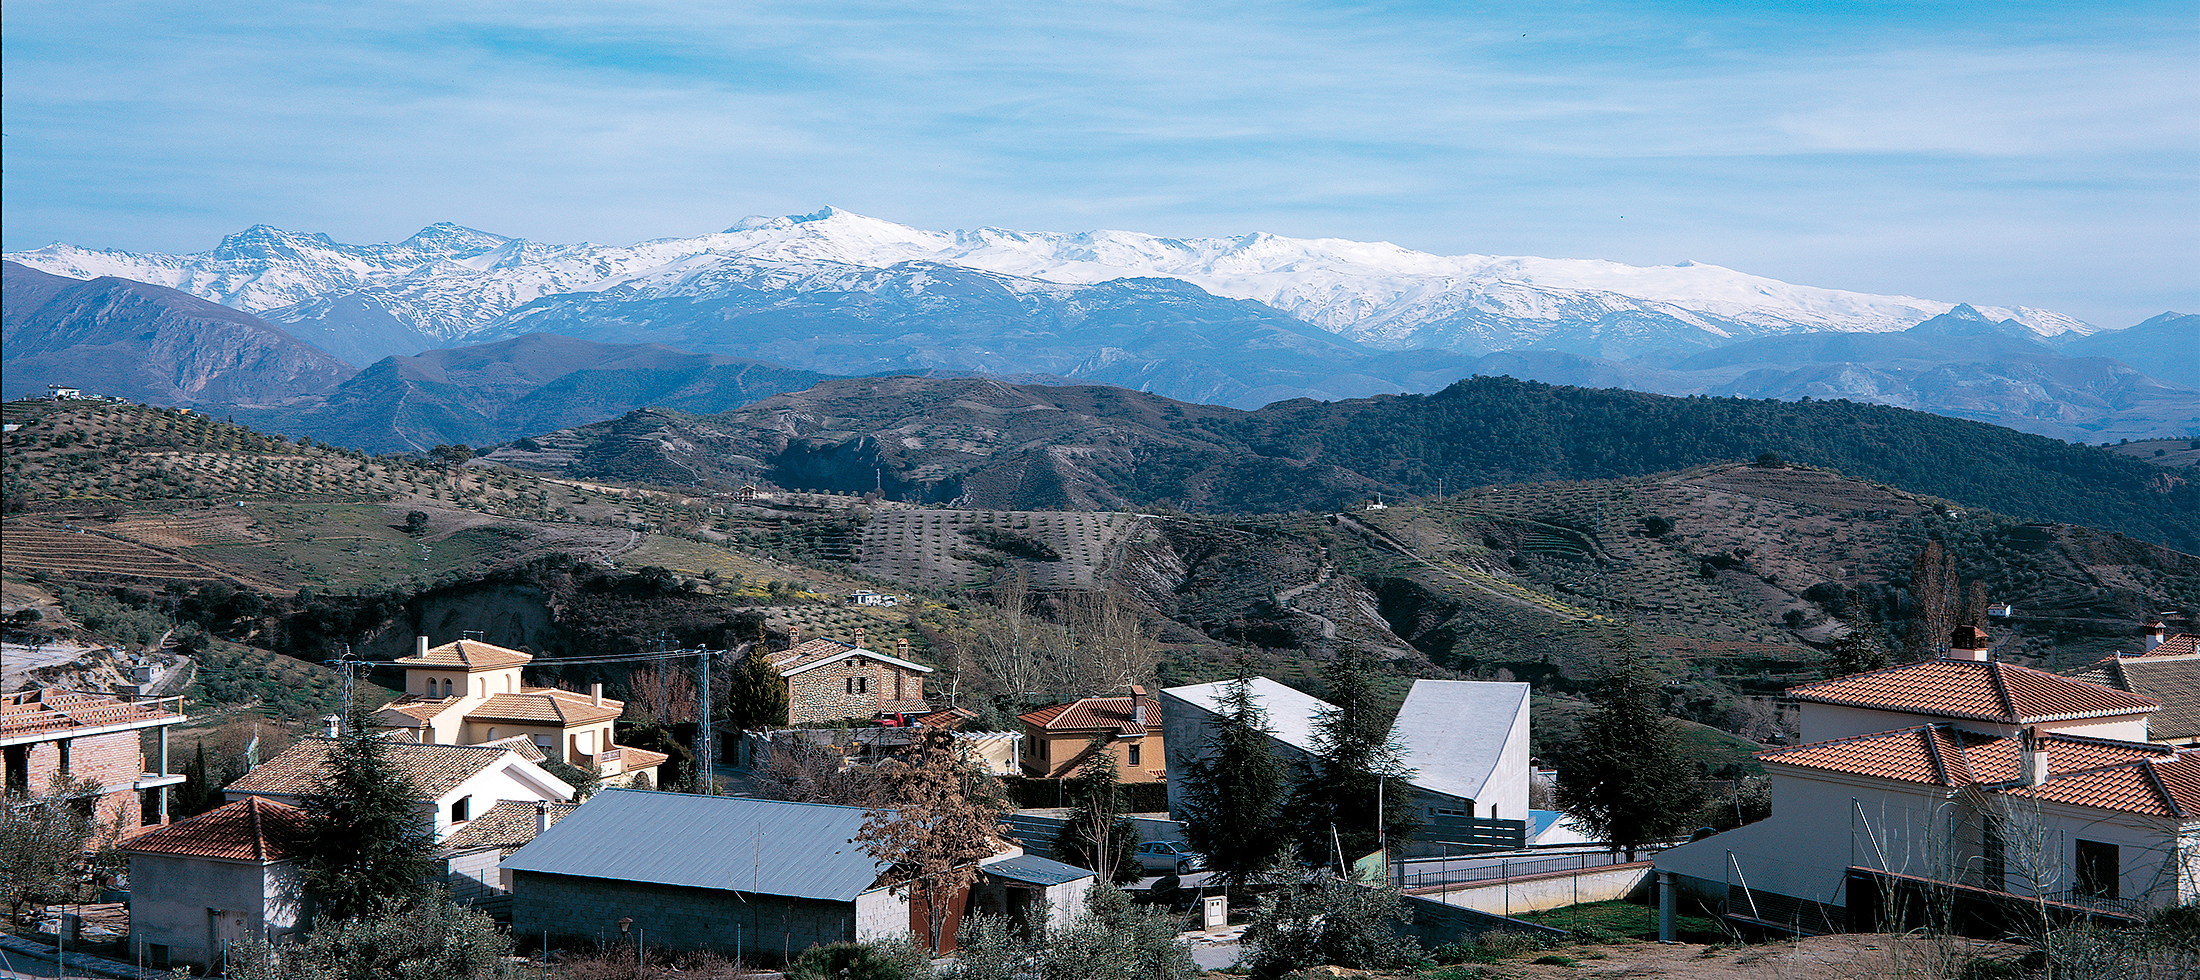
<point x="901" y="647"/>
<point x="859" y="636"/>
<point x="2156" y="633"/>
<point x="794" y="636"/>
<point x="595" y="694"/>
<point x="542" y="816"/>
<point x="1138" y="704"/>
<point x="420" y="647"/>
<point x="1968" y="643"/>
<point x="2032" y="756"/>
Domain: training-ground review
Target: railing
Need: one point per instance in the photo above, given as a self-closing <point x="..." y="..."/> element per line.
<point x="2135" y="907"/>
<point x="1414" y="874"/>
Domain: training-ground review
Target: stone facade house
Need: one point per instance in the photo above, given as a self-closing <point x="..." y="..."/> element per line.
<point x="1060" y="739"/>
<point x="468" y="692"/>
<point x="828" y="680"/>
<point x="226" y="876"/>
<point x="87" y="736"/>
<point x="457" y="782"/>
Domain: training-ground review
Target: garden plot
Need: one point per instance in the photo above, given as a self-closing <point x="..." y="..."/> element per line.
<point x="34" y="546"/>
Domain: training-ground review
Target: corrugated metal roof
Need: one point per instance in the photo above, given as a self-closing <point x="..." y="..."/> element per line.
<point x="767" y="847"/>
<point x="1035" y="870"/>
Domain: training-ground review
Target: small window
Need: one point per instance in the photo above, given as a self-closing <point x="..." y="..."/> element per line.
<point x="859" y="685"/>
<point x="1134" y="753"/>
<point x="492" y="733"/>
<point x="460" y="809"/>
<point x="2098" y="869"/>
<point x="158" y="953"/>
<point x="446" y="687"/>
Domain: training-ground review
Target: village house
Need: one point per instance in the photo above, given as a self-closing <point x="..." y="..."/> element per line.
<point x="777" y="878"/>
<point x="1060" y="739"/>
<point x="88" y="736"/>
<point x="473" y="855"/>
<point x="468" y="692"/>
<point x="1978" y="773"/>
<point x="456" y="782"/>
<point x="227" y="876"/>
<point x="2167" y="669"/>
<point x="828" y="680"/>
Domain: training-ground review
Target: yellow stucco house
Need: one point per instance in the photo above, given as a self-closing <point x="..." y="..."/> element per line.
<point x="468" y="692"/>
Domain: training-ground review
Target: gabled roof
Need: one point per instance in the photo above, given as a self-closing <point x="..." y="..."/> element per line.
<point x="1032" y="869"/>
<point x="546" y="706"/>
<point x="38" y="715"/>
<point x="524" y="745"/>
<point x="2156" y="787"/>
<point x="419" y="707"/>
<point x="467" y="655"/>
<point x="252" y="829"/>
<point x="1089" y="715"/>
<point x="819" y="652"/>
<point x="725" y="843"/>
<point x="510" y="824"/>
<point x="1291" y="712"/>
<point x="1455" y="732"/>
<point x="1988" y="690"/>
<point x="2173" y="680"/>
<point x="1944" y="755"/>
<point x="434" y="769"/>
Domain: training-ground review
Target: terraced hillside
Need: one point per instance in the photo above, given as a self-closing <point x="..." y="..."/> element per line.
<point x="952" y="549"/>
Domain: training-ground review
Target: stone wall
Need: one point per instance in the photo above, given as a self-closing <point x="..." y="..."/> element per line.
<point x="822" y="694"/>
<point x="576" y="911"/>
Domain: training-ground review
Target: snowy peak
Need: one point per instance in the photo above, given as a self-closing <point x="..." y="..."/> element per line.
<point x="457" y="283"/>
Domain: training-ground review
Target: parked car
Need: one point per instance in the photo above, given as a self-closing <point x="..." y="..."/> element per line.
<point x="1168" y="856"/>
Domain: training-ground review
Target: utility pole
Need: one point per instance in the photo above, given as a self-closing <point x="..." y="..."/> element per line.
<point x="345" y="664"/>
<point x="704" y="761"/>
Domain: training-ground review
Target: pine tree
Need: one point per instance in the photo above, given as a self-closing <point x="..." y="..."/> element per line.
<point x="1334" y="803"/>
<point x="195" y="794"/>
<point x="1233" y="793"/>
<point x="1625" y="780"/>
<point x="365" y="846"/>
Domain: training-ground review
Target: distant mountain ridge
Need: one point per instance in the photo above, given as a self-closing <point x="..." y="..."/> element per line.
<point x="149" y="343"/>
<point x="1239" y="321"/>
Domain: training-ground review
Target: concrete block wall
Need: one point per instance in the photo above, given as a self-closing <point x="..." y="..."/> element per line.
<point x="579" y="910"/>
<point x="170" y="897"/>
<point x="822" y="694"/>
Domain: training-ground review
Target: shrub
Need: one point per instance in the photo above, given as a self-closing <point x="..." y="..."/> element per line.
<point x="894" y="958"/>
<point x="1332" y="922"/>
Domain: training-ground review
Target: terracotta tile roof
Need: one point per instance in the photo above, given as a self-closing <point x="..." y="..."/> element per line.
<point x="809" y="651"/>
<point x="252" y="829"/>
<point x="546" y="705"/>
<point x="945" y="718"/>
<point x="2176" y="645"/>
<point x="434" y="769"/>
<point x="522" y="744"/>
<point x="1088" y="714"/>
<point x="1943" y="755"/>
<point x="468" y="654"/>
<point x="1988" y="690"/>
<point x="2157" y="787"/>
<point x="419" y="707"/>
<point x="632" y="759"/>
<point x="38" y="712"/>
<point x="508" y="825"/>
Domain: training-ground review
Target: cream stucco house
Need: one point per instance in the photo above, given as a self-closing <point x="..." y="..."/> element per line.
<point x="468" y="692"/>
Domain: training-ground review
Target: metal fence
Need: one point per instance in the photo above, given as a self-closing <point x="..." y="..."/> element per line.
<point x="1463" y="871"/>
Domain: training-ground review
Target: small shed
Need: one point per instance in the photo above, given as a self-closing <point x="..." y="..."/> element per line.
<point x="1014" y="886"/>
<point x="226" y="876"/>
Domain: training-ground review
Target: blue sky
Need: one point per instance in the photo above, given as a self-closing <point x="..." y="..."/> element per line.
<point x="2005" y="153"/>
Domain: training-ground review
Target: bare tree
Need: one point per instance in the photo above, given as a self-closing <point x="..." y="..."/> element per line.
<point x="945" y="816"/>
<point x="667" y="694"/>
<point x="803" y="771"/>
<point x="1933" y="589"/>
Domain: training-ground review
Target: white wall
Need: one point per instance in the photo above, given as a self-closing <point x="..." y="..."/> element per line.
<point x="1825" y="722"/>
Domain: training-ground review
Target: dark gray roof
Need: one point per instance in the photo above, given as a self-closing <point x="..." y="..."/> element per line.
<point x="764" y="847"/>
<point x="1036" y="870"/>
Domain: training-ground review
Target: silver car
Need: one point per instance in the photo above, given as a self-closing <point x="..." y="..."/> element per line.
<point x="1168" y="856"/>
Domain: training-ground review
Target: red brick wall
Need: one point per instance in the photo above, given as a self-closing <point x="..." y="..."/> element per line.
<point x="112" y="759"/>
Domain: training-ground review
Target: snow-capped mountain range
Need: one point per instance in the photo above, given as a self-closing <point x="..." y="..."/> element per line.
<point x="451" y="285"/>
